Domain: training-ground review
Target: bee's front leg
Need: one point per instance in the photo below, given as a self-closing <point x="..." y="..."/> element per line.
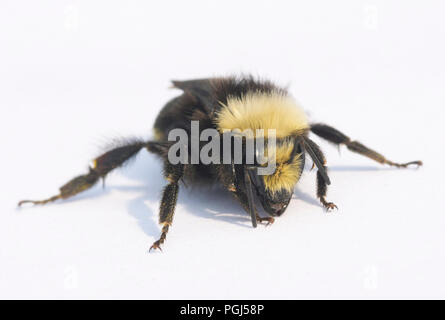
<point x="267" y="220"/>
<point x="173" y="173"/>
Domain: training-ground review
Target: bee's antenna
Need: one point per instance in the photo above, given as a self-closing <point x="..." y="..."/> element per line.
<point x="249" y="192"/>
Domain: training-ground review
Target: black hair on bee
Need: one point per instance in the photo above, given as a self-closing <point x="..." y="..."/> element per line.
<point x="229" y="103"/>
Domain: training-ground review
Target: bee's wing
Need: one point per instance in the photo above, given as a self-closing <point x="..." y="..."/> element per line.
<point x="201" y="89"/>
<point x="193" y="85"/>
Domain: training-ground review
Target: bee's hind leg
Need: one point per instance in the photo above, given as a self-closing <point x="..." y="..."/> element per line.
<point x="334" y="136"/>
<point x="100" y="168"/>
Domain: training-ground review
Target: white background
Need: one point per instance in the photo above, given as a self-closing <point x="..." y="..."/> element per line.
<point x="74" y="74"/>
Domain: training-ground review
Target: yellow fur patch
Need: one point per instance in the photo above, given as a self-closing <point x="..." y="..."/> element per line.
<point x="157" y="134"/>
<point x="93" y="164"/>
<point x="287" y="173"/>
<point x="263" y="111"/>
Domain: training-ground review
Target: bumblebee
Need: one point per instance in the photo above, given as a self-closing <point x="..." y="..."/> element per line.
<point x="221" y="104"/>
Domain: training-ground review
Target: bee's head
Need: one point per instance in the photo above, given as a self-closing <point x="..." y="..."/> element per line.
<point x="275" y="190"/>
<point x="269" y="110"/>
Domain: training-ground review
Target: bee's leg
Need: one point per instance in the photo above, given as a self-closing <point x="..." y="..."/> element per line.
<point x="338" y="138"/>
<point x="238" y="183"/>
<point x="101" y="166"/>
<point x="322" y="189"/>
<point x="241" y="197"/>
<point x="322" y="185"/>
<point x="173" y="173"/>
<point x="267" y="221"/>
<point x="232" y="179"/>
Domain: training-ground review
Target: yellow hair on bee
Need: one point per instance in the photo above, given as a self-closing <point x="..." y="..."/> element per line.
<point x="287" y="173"/>
<point x="258" y="110"/>
<point x="157" y="134"/>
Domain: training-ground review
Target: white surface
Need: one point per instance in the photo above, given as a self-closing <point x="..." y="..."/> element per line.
<point x="76" y="73"/>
